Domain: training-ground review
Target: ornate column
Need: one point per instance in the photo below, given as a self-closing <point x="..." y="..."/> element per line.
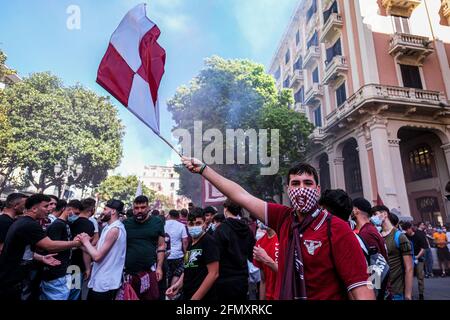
<point x="446" y="148"/>
<point x="364" y="163"/>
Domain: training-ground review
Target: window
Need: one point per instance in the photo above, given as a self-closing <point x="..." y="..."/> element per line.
<point x="318" y="117"/>
<point x="286" y="82"/>
<point x="278" y="74"/>
<point x="341" y="95"/>
<point x="332" y="9"/>
<point x="401" y="24"/>
<point x="420" y="163"/>
<point x="297" y="38"/>
<point x="324" y="170"/>
<point x="315" y="75"/>
<point x="311" y="11"/>
<point x="298" y="64"/>
<point x="352" y="169"/>
<point x="299" y="96"/>
<point x="314" y="41"/>
<point x="287" y="57"/>
<point x="411" y="76"/>
<point x="335" y="50"/>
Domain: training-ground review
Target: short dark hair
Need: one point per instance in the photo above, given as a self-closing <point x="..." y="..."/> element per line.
<point x="219" y="217"/>
<point x="363" y="205"/>
<point x="210" y="210"/>
<point x="379" y="208"/>
<point x="61" y="205"/>
<point x="52" y="196"/>
<point x="232" y="207"/>
<point x="337" y="202"/>
<point x="196" y="213"/>
<point x="13" y="198"/>
<point x="406" y="225"/>
<point x="36" y="199"/>
<point x="174" y="214"/>
<point x="77" y="204"/>
<point x="88" y="204"/>
<point x="393" y="218"/>
<point x="141" y="199"/>
<point x="302" y="168"/>
<point x="184" y="212"/>
<point x="155" y="212"/>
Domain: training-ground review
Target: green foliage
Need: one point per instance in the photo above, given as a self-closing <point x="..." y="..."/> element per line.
<point x="122" y="188"/>
<point x="231" y="94"/>
<point x="50" y="122"/>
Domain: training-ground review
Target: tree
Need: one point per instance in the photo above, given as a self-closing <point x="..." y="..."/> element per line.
<point x="50" y="122"/>
<point x="123" y="189"/>
<point x="231" y="94"/>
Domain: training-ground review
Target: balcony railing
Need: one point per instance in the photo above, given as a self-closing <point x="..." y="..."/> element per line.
<point x="335" y="69"/>
<point x="297" y="77"/>
<point x="313" y="93"/>
<point x="312" y="54"/>
<point x="317" y="135"/>
<point x="331" y="28"/>
<point x="410" y="48"/>
<point x="389" y="95"/>
<point x="445" y="11"/>
<point x="300" y="107"/>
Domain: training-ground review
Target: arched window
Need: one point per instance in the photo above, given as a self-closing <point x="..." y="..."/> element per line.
<point x="420" y="163"/>
<point x="324" y="170"/>
<point x="352" y="169"/>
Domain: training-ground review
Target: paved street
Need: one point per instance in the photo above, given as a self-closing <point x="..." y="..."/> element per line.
<point x="435" y="289"/>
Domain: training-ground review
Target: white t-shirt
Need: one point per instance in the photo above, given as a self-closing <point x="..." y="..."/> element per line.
<point x="177" y="231"/>
<point x="95" y="223"/>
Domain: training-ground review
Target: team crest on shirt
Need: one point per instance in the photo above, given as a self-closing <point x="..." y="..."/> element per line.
<point x="312" y="246"/>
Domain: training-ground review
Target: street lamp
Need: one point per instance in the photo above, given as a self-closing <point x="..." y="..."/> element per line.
<point x="71" y="172"/>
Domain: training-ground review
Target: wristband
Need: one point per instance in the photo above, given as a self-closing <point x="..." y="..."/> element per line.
<point x="202" y="169"/>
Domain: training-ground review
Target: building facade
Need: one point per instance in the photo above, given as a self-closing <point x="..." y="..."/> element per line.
<point x="164" y="180"/>
<point x="373" y="76"/>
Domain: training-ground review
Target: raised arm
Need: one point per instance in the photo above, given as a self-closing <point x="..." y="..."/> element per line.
<point x="98" y="255"/>
<point x="230" y="189"/>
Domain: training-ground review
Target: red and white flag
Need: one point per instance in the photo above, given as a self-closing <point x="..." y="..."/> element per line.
<point x="211" y="196"/>
<point x="133" y="66"/>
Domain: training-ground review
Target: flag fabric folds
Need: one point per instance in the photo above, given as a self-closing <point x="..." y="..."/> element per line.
<point x="133" y="65"/>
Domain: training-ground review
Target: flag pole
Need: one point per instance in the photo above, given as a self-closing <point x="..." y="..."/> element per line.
<point x="170" y="145"/>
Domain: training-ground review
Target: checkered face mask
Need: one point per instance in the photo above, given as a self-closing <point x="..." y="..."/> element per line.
<point x="303" y="199"/>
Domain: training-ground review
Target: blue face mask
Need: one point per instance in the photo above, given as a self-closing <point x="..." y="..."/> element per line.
<point x="73" y="218"/>
<point x="196" y="231"/>
<point x="376" y="221"/>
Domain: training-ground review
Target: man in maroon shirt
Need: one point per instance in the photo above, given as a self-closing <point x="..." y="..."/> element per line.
<point x="320" y="257"/>
<point x="367" y="231"/>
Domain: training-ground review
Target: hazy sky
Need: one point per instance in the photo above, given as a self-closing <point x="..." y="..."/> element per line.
<point x="35" y="37"/>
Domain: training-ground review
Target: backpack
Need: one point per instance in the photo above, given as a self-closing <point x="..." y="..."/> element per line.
<point x="377" y="264"/>
<point x="397" y="235"/>
<point x="378" y="268"/>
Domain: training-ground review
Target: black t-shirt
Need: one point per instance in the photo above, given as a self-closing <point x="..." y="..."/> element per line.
<point x="196" y="259"/>
<point x="5" y="223"/>
<point x="17" y="255"/>
<point x="59" y="231"/>
<point x="80" y="225"/>
<point x="419" y="241"/>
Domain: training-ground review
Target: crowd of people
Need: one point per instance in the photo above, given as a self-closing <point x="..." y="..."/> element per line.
<point x="326" y="246"/>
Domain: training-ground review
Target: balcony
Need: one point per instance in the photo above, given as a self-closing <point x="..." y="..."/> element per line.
<point x="300" y="107"/>
<point x="317" y="136"/>
<point x="410" y="49"/>
<point x="335" y="69"/>
<point x="331" y="29"/>
<point x="444" y="12"/>
<point x="314" y="93"/>
<point x="402" y="8"/>
<point x="297" y="77"/>
<point x="312" y="54"/>
<point x="398" y="99"/>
